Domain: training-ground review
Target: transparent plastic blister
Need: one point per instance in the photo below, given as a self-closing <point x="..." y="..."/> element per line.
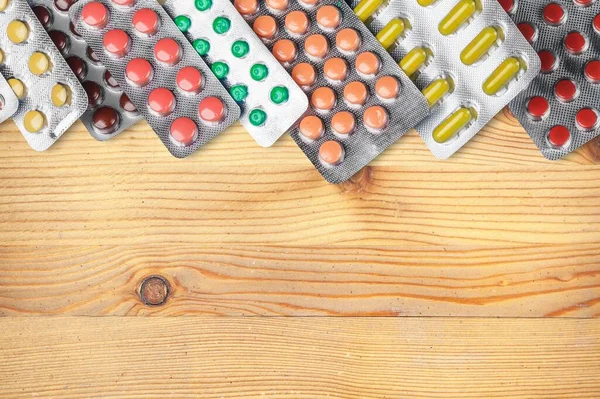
<point x="560" y="109"/>
<point x="50" y="97"/>
<point x="360" y="100"/>
<point x="158" y="69"/>
<point x="109" y="109"/>
<point x="270" y="100"/>
<point x="9" y="103"/>
<point x="467" y="57"/>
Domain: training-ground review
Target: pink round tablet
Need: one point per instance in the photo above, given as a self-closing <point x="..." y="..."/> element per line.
<point x="189" y="80"/>
<point x="184" y="131"/>
<point x="95" y="15"/>
<point x="161" y="101"/>
<point x="139" y="72"/>
<point x="145" y="21"/>
<point x="211" y="109"/>
<point x="117" y="42"/>
<point x="167" y="51"/>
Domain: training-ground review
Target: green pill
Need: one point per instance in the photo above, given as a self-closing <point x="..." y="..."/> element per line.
<point x="257" y="117"/>
<point x="221" y="25"/>
<point x="239" y="92"/>
<point x="240" y="48"/>
<point x="202" y="46"/>
<point x="183" y="22"/>
<point x="203" y="5"/>
<point x="220" y="69"/>
<point x="259" y="72"/>
<point x="279" y="94"/>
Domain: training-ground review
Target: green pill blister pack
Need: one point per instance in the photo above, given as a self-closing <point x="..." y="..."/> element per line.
<point x="270" y="100"/>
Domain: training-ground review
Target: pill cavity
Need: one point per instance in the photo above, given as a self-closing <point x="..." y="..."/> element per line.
<point x="284" y="50"/>
<point x="559" y="136"/>
<point x="316" y="46"/>
<point x="586" y="119"/>
<point x="458" y="16"/>
<point x="277" y="5"/>
<point x="257" y="117"/>
<point x="105" y="120"/>
<point x="34" y="121"/>
<point x="335" y="69"/>
<point x="347" y="40"/>
<point x="356" y="93"/>
<point x="482" y="45"/>
<point x="146" y="21"/>
<point x="265" y="27"/>
<point x="79" y="67"/>
<point x="183" y="131"/>
<point x="387" y="88"/>
<point x="39" y="63"/>
<point x="499" y="79"/>
<point x="117" y="43"/>
<point x="529" y="31"/>
<point x="168" y="51"/>
<point x="239" y="92"/>
<point x="189" y="80"/>
<point x="343" y="123"/>
<point x="211" y="109"/>
<point x="304" y="74"/>
<point x="375" y="118"/>
<point x="414" y="61"/>
<point x="592" y="71"/>
<point x="42" y="13"/>
<point x="60" y="40"/>
<point x="109" y="80"/>
<point x="203" y="5"/>
<point x="161" y="101"/>
<point x="279" y="94"/>
<point x="95" y="15"/>
<point x="391" y="32"/>
<point x="202" y="46"/>
<point x="296" y="22"/>
<point x="259" y="72"/>
<point x="60" y="95"/>
<point x="139" y="72"/>
<point x="126" y="104"/>
<point x="576" y="42"/>
<point x="17" y="31"/>
<point x="331" y="153"/>
<point x="220" y="69"/>
<point x="94" y="93"/>
<point x="323" y="99"/>
<point x="454" y="124"/>
<point x="566" y="90"/>
<point x="246" y="7"/>
<point x="554" y="14"/>
<point x="538" y="108"/>
<point x="436" y="91"/>
<point x="240" y="48"/>
<point x="311" y="127"/>
<point x="366" y="8"/>
<point x="367" y="64"/>
<point x="18" y="87"/>
<point x="328" y="17"/>
<point x="549" y="61"/>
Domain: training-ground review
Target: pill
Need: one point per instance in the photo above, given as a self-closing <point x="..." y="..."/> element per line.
<point x="146" y="21"/>
<point x="538" y="108"/>
<point x="566" y="90"/>
<point x="328" y="17"/>
<point x="202" y="46"/>
<point x="309" y="3"/>
<point x="34" y="121"/>
<point x="42" y="14"/>
<point x="355" y="93"/>
<point x="508" y="5"/>
<point x="549" y="61"/>
<point x="189" y="80"/>
<point x="39" y="63"/>
<point x="480" y="45"/>
<point x="139" y="72"/>
<point x="259" y="72"/>
<point x="426" y="3"/>
<point x="161" y="101"/>
<point x="413" y="60"/>
<point x="587" y="119"/>
<point x="60" y="95"/>
<point x="375" y="118"/>
<point x="436" y="91"/>
<point x="117" y="42"/>
<point x="94" y="93"/>
<point x="73" y="31"/>
<point x="387" y="87"/>
<point x="311" y="127"/>
<point x="460" y="14"/>
<point x="1" y="57"/>
<point x="126" y="104"/>
<point x="265" y="27"/>
<point x="105" y="120"/>
<point x="391" y="32"/>
<point x="4" y="4"/>
<point x="203" y="5"/>
<point x="304" y="74"/>
<point x="554" y="14"/>
<point x="167" y="51"/>
<point x="220" y="69"/>
<point x="95" y="15"/>
<point x="316" y="46"/>
<point x="240" y="48"/>
<point x="124" y="3"/>
<point x="60" y="40"/>
<point x="109" y="80"/>
<point x="284" y="50"/>
<point x="596" y="23"/>
<point x="92" y="56"/>
<point x="453" y="125"/>
<point x="277" y="5"/>
<point x="18" y="88"/>
<point x="559" y="136"/>
<point x="279" y="95"/>
<point x="343" y="123"/>
<point x="366" y="8"/>
<point x="584" y="3"/>
<point x="347" y="40"/>
<point x="246" y="7"/>
<point x="323" y="99"/>
<point x="331" y="153"/>
<point x="183" y="22"/>
<point x="296" y="22"/>
<point x="17" y="31"/>
<point x="335" y="69"/>
<point x="501" y="76"/>
<point x="592" y="71"/>
<point x="529" y="31"/>
<point x="257" y="117"/>
<point x="183" y="131"/>
<point x="63" y="5"/>
<point x="576" y="43"/>
<point x="211" y="109"/>
<point x="221" y="25"/>
<point x="367" y="63"/>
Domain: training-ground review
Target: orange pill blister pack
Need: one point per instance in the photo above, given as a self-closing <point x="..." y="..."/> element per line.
<point x="560" y="109"/>
<point x="467" y="57"/>
<point x="360" y="100"/>
<point x="109" y="111"/>
<point x="158" y="69"/>
<point x="50" y="97"/>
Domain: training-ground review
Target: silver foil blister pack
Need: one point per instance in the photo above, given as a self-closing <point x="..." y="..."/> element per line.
<point x="109" y="109"/>
<point x="560" y="109"/>
<point x="459" y="53"/>
<point x="51" y="98"/>
<point x="269" y="99"/>
<point x="360" y="100"/>
<point x="158" y="69"/>
<point x="9" y="103"/>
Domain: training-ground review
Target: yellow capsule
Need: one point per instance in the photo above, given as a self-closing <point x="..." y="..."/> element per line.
<point x="501" y="76"/>
<point x="391" y="32"/>
<point x="461" y="12"/>
<point x="366" y="8"/>
<point x="480" y="46"/>
<point x="34" y="121"/>
<point x="60" y="95"/>
<point x="18" y="87"/>
<point x="3" y="4"/>
<point x="425" y="3"/>
<point x="413" y="60"/>
<point x="436" y="90"/>
<point x="453" y="124"/>
<point x="39" y="63"/>
<point x="17" y="31"/>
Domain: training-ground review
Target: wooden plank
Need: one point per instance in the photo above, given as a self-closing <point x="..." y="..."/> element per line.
<point x="199" y="357"/>
<point x="537" y="281"/>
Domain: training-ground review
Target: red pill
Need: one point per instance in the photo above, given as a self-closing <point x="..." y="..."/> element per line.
<point x="538" y="108"/>
<point x="92" y="56"/>
<point x="161" y="101"/>
<point x="78" y="67"/>
<point x="554" y="14"/>
<point x="576" y="42"/>
<point x="596" y="23"/>
<point x="60" y="40"/>
<point x="117" y="42"/>
<point x="508" y="5"/>
<point x="127" y="105"/>
<point x="110" y="81"/>
<point x="587" y="119"/>
<point x="167" y="51"/>
<point x="211" y="109"/>
<point x="184" y="131"/>
<point x="139" y="72"/>
<point x="145" y="21"/>
<point x="529" y="31"/>
<point x="189" y="80"/>
<point x="549" y="61"/>
<point x="43" y="15"/>
<point x="584" y="3"/>
<point x="105" y="120"/>
<point x="63" y="5"/>
<point x="126" y="3"/>
<point x="559" y="136"/>
<point x="592" y="71"/>
<point x="95" y="15"/>
<point x="94" y="93"/>
<point x="566" y="90"/>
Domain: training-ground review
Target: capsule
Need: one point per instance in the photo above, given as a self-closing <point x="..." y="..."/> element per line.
<point x="480" y="46"/>
<point x="413" y="60"/>
<point x="425" y="3"/>
<point x="460" y="14"/>
<point x="366" y="8"/>
<point x="501" y="76"/>
<point x="436" y="90"/>
<point x="453" y="124"/>
<point x="391" y="32"/>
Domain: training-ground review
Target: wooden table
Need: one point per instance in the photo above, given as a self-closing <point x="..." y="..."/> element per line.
<point x="493" y="256"/>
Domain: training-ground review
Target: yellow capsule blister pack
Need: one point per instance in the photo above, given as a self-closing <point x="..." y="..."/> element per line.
<point x="466" y="56"/>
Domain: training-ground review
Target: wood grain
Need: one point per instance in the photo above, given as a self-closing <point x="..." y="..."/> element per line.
<point x="196" y="357"/>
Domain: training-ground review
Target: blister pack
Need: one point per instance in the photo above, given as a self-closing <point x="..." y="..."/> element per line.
<point x="360" y="100"/>
<point x="270" y="100"/>
<point x="467" y="57"/>
<point x="109" y="109"/>
<point x="560" y="109"/>
<point x="158" y="69"/>
<point x="9" y="103"/>
<point x="50" y="97"/>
